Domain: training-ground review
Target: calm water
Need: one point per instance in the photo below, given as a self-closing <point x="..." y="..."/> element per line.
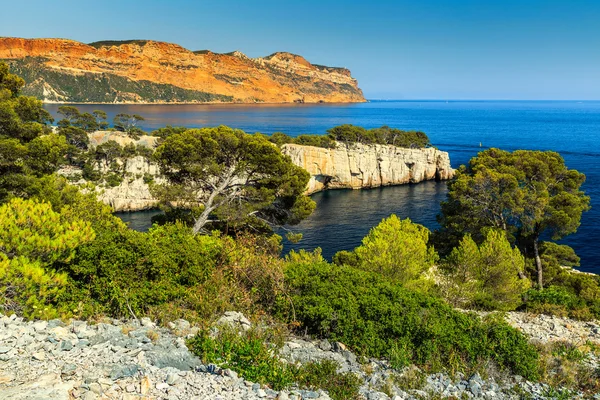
<point x="343" y="217"/>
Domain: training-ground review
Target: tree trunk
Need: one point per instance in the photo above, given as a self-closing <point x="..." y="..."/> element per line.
<point x="538" y="264"/>
<point x="202" y="219"/>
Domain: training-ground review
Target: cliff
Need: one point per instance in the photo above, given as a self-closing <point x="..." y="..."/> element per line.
<point x="140" y="71"/>
<point x="357" y="166"/>
<point x="354" y="166"/>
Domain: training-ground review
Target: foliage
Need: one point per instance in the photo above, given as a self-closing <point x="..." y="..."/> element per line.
<point x="85" y="121"/>
<point x="46" y="154"/>
<point x="32" y="237"/>
<point x="396" y="249"/>
<point x="76" y="137"/>
<point x="126" y="272"/>
<point x="384" y="135"/>
<point x="33" y="230"/>
<point x="378" y="318"/>
<point x="28" y="289"/>
<point x="349" y="134"/>
<point x="238" y="179"/>
<point x="22" y="123"/>
<point x="524" y="193"/>
<point x="168" y="130"/>
<point x="485" y="276"/>
<point x="128" y="123"/>
<point x="563" y="365"/>
<point x="251" y="355"/>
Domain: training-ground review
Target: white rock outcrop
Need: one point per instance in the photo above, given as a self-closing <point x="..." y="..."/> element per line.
<point x="133" y="194"/>
<point x="357" y="166"/>
<point x="348" y="166"/>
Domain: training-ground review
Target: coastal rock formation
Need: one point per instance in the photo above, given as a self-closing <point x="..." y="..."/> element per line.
<point x="358" y="166"/>
<point x="144" y="71"/>
<point x="133" y="194"/>
<point x="352" y="166"/>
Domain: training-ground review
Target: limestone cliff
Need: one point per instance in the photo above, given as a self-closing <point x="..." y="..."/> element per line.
<point x="357" y="166"/>
<point x="353" y="166"/>
<point x="143" y="71"/>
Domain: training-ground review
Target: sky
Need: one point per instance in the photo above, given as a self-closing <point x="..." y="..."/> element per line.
<point x="417" y="49"/>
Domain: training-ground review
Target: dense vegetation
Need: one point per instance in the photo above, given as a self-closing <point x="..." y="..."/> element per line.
<point x="102" y="88"/>
<point x="349" y="134"/>
<point x="64" y="254"/>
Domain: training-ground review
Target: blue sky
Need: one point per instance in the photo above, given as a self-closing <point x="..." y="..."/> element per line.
<point x="417" y="49"/>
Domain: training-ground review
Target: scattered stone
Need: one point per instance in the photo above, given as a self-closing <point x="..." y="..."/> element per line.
<point x="145" y="385"/>
<point x="66" y="345"/>
<point x="117" y="360"/>
<point x="172" y="378"/>
<point x="119" y="371"/>
<point x="235" y="320"/>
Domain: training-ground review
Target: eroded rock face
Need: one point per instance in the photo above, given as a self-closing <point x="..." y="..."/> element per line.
<point x="133" y="194"/>
<point x="144" y="71"/>
<point x="353" y="166"/>
<point x="357" y="166"/>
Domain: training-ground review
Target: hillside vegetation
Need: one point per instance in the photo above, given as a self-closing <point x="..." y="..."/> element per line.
<point x="65" y="255"/>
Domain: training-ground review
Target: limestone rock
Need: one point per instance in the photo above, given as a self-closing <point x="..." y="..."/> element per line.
<point x="234" y="319"/>
<point x="357" y="166"/>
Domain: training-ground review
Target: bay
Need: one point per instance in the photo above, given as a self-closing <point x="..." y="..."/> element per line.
<point x="462" y="128"/>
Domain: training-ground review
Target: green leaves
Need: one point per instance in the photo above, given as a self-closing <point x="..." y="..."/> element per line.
<point x="485" y="276"/>
<point x="524" y="193"/>
<point x="33" y="230"/>
<point x="240" y="180"/>
<point x="378" y="318"/>
<point x="398" y="250"/>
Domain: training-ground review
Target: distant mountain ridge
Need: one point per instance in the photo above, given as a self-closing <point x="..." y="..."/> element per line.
<point x="146" y="71"/>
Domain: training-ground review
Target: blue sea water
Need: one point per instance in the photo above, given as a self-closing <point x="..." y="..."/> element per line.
<point x="462" y="128"/>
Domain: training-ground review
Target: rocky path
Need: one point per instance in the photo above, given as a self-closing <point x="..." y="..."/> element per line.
<point x="138" y="360"/>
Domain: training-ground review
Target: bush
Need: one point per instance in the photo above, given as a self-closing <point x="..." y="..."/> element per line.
<point x="26" y="288"/>
<point x="381" y="319"/>
<point x="254" y="356"/>
<point x="32" y="237"/>
<point x="396" y="249"/>
<point x="125" y="271"/>
<point x="559" y="301"/>
<point x="485" y="276"/>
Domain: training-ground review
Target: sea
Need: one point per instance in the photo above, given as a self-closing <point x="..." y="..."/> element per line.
<point x="462" y="128"/>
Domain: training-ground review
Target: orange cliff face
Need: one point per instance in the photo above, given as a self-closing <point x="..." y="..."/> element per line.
<point x="60" y="70"/>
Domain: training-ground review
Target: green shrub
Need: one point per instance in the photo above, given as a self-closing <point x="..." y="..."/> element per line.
<point x="485" y="276"/>
<point x="113" y="179"/>
<point x="396" y="249"/>
<point x="32" y="237"/>
<point x="252" y="356"/>
<point x="28" y="289"/>
<point x="562" y="302"/>
<point x="125" y="271"/>
<point x="380" y="319"/>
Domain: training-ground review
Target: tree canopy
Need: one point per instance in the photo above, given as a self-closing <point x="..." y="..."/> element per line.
<point x="525" y="193"/>
<point x="236" y="178"/>
<point x="25" y="153"/>
<point x="396" y="249"/>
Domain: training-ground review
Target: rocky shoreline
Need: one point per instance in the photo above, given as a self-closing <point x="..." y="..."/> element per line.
<point x="140" y="360"/>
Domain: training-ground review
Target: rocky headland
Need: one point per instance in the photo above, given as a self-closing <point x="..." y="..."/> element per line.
<point x="145" y="71"/>
<point x="348" y="166"/>
<point x="360" y="166"/>
<point x="129" y="360"/>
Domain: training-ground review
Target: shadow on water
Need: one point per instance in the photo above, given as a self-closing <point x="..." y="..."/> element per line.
<point x="343" y="217"/>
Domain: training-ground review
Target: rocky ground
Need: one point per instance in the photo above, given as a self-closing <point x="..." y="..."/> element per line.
<point x="138" y="360"/>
